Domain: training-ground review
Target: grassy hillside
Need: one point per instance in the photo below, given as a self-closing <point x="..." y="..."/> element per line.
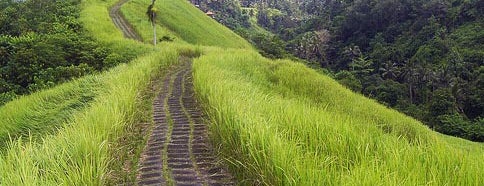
<point x="75" y="133"/>
<point x="281" y="123"/>
<point x="276" y="122"/>
<point x="45" y="112"/>
<point x="183" y="20"/>
<point x="135" y="13"/>
<point x="79" y="154"/>
<point x="95" y="18"/>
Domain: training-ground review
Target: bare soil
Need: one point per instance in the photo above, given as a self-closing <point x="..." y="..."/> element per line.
<point x="121" y="22"/>
<point x="178" y="151"/>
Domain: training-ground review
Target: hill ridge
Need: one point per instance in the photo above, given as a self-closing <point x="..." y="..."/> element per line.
<point x="177" y="151"/>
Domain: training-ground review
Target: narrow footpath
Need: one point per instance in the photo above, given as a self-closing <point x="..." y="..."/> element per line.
<point x="178" y="152"/>
<point x="121" y="22"/>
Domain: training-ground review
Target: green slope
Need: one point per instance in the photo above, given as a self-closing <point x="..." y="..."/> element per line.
<point x="80" y="133"/>
<point x="281" y="123"/>
<point x="46" y="111"/>
<point x="181" y="19"/>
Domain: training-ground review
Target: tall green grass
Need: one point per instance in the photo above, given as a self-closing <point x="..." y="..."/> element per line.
<point x="135" y="13"/>
<point x="185" y="21"/>
<point x="280" y="123"/>
<point x="82" y="150"/>
<point x="277" y="122"/>
<point x="79" y="154"/>
<point x="96" y="20"/>
<point x="44" y="112"/>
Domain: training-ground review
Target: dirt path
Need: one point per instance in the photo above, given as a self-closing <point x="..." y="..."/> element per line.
<point x="178" y="152"/>
<point x="121" y="23"/>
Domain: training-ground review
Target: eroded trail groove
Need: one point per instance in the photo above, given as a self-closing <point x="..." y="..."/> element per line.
<point x="121" y="23"/>
<point x="178" y="151"/>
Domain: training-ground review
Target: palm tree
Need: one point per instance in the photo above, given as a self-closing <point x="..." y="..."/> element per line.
<point x="361" y="66"/>
<point x="389" y="70"/>
<point x="410" y="75"/>
<point x="151" y="13"/>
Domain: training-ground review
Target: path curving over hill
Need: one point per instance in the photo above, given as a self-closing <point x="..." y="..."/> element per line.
<point x="121" y="23"/>
<point x="178" y="151"/>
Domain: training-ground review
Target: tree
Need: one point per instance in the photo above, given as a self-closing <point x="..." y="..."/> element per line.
<point x="390" y="92"/>
<point x="151" y="13"/>
<point x="312" y="46"/>
<point x="42" y="43"/>
<point x="452" y="124"/>
<point x="361" y="66"/>
<point x="389" y="70"/>
<point x="349" y="80"/>
<point x="270" y="46"/>
<point x="442" y="103"/>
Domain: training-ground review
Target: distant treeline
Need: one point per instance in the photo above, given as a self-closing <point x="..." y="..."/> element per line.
<point x="424" y="58"/>
<point x="42" y="43"/>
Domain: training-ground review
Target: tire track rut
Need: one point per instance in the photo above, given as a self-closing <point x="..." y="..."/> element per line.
<point x="178" y="151"/>
<point x="121" y="22"/>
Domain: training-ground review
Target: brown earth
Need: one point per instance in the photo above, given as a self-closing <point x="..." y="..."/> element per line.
<point x="178" y="151"/>
<point x="121" y="22"/>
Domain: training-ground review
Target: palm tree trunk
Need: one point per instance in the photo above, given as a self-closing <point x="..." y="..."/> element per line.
<point x="154" y="33"/>
<point x="153" y="23"/>
<point x="410" y="92"/>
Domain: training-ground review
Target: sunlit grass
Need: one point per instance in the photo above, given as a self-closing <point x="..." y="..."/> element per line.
<point x="96" y="20"/>
<point x="46" y="111"/>
<point x="280" y="123"/>
<point x="79" y="154"/>
<point x="193" y="26"/>
<point x="135" y="13"/>
<point x="81" y="151"/>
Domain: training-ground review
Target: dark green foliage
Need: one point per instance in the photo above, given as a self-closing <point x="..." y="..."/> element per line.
<point x="151" y="13"/>
<point x="269" y="46"/>
<point x="166" y="38"/>
<point x="442" y="103"/>
<point x="227" y="12"/>
<point x="390" y="92"/>
<point x="433" y="49"/>
<point x="457" y="125"/>
<point x="42" y="44"/>
<point x="349" y="80"/>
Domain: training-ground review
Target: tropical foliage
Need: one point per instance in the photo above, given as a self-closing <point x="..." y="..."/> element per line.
<point x="43" y="43"/>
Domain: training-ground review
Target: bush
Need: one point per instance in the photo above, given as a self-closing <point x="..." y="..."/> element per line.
<point x="349" y="80"/>
<point x="458" y="126"/>
<point x="6" y="97"/>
